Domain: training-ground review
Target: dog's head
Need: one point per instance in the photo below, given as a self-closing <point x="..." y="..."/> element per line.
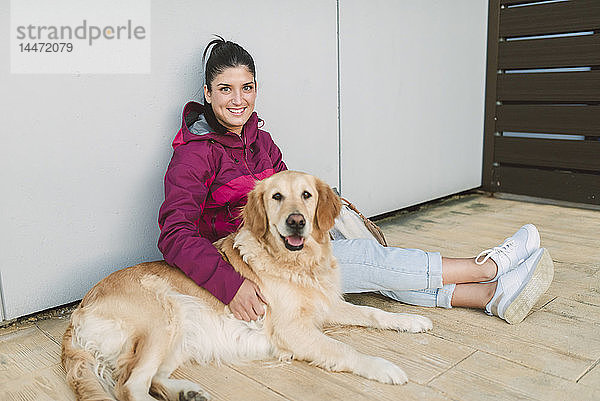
<point x="291" y="207"/>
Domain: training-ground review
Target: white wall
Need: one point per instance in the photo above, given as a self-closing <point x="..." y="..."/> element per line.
<point x="83" y="157"/>
<point x="412" y="100"/>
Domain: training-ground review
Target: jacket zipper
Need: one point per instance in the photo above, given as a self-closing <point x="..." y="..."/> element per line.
<point x="244" y="157"/>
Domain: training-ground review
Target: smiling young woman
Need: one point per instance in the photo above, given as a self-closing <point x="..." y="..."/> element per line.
<point x="220" y="153"/>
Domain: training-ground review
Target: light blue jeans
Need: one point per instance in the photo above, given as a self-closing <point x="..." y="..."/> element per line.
<point x="411" y="276"/>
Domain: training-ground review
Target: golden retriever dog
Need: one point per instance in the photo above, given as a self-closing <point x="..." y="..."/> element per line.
<point x="135" y="327"/>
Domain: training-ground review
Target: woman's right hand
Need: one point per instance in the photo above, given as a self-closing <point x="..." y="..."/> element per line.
<point x="247" y="304"/>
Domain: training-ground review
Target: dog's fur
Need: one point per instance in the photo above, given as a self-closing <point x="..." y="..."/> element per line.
<point x="135" y="327"/>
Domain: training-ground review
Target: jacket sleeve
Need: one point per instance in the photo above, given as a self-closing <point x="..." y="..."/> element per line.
<point x="186" y="189"/>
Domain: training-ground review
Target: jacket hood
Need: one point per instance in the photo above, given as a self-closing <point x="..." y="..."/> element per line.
<point x="194" y="127"/>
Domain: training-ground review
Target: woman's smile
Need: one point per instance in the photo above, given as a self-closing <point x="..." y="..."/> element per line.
<point x="237" y="111"/>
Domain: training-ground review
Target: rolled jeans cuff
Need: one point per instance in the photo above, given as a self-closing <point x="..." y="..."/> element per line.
<point x="434" y="273"/>
<point x="444" y="296"/>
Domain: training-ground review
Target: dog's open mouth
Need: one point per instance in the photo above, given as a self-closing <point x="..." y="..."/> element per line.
<point x="293" y="242"/>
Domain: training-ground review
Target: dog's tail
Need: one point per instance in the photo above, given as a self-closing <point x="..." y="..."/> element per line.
<point x="79" y="365"/>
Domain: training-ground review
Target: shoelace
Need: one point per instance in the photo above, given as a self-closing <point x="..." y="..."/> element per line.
<point x="502" y="249"/>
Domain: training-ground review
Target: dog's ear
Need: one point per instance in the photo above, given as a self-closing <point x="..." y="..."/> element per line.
<point x="254" y="214"/>
<point x="328" y="206"/>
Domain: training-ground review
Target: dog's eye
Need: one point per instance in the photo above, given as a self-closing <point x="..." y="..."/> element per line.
<point x="277" y="196"/>
<point x="306" y="194"/>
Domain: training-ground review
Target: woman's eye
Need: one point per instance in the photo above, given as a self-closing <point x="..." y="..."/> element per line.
<point x="277" y="196"/>
<point x="306" y="194"/>
<point x="225" y="90"/>
<point x="248" y="88"/>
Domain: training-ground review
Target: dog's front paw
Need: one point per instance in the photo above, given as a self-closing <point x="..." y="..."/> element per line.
<point x="412" y="323"/>
<point x="383" y="371"/>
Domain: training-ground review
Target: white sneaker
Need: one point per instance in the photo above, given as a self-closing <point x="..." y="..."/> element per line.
<point x="519" y="289"/>
<point x="513" y="250"/>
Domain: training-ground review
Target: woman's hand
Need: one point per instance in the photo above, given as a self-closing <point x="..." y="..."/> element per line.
<point x="247" y="304"/>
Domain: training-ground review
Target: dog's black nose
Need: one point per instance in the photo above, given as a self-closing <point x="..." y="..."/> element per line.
<point x="295" y="221"/>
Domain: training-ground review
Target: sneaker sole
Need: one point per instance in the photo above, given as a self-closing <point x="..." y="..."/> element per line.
<point x="539" y="283"/>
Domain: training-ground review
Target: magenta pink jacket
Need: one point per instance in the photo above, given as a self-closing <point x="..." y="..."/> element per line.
<point x="206" y="184"/>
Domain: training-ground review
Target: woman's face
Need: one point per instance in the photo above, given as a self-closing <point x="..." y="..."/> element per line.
<point x="232" y="97"/>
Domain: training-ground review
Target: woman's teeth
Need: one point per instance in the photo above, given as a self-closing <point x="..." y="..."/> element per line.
<point x="237" y="111"/>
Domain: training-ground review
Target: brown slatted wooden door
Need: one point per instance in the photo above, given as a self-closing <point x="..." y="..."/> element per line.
<point x="542" y="129"/>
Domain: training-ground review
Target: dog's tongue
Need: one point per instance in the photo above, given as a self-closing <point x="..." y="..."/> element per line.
<point x="294" y="240"/>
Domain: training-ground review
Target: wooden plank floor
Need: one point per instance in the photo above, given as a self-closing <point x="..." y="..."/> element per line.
<point x="553" y="355"/>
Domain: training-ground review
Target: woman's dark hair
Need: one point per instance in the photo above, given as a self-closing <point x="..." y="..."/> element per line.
<point x="223" y="54"/>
